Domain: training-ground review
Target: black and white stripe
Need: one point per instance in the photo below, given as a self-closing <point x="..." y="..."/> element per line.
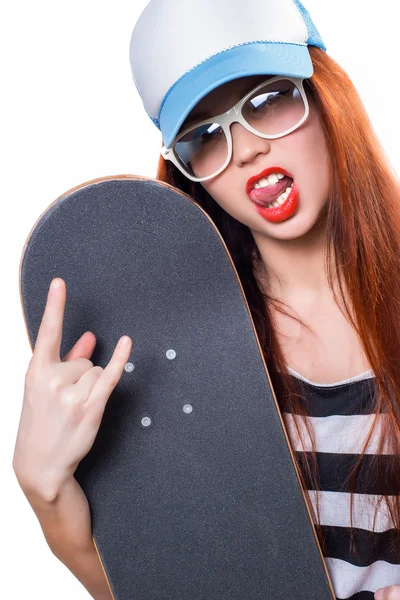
<point x="341" y="416"/>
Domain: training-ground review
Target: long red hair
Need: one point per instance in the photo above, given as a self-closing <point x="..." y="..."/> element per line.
<point x="362" y="217"/>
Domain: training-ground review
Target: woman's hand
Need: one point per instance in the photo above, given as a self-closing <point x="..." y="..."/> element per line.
<point x="388" y="593"/>
<point x="64" y="401"/>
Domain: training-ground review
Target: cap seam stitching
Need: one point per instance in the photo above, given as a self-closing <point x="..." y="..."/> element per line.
<point x="307" y="36"/>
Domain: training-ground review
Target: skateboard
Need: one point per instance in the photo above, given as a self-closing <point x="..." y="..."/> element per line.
<point x="191" y="481"/>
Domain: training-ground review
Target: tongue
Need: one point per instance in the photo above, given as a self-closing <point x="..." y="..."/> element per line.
<point x="265" y="195"/>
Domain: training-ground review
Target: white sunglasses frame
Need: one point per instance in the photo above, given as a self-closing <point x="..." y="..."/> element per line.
<point x="234" y="115"/>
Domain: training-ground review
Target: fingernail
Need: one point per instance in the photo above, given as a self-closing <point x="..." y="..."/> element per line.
<point x="379" y="594"/>
<point x="125" y="341"/>
<point x="56" y="284"/>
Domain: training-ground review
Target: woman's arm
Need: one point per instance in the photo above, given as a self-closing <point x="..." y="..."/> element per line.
<point x="66" y="524"/>
<point x="64" y="403"/>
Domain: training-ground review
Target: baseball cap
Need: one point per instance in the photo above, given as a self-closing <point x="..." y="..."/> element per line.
<point x="181" y="50"/>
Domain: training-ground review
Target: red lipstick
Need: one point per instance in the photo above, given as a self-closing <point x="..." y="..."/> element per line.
<point x="264" y="175"/>
<point x="279" y="213"/>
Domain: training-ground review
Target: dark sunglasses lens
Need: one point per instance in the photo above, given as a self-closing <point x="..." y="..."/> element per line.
<point x="275" y="108"/>
<point x="202" y="151"/>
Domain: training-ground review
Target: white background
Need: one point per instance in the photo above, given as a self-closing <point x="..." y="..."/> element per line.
<point x="70" y="113"/>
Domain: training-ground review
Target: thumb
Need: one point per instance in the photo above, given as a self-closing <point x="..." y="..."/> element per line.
<point x="388" y="593"/>
<point x="83" y="348"/>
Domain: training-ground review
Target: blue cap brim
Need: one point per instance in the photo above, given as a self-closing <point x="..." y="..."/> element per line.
<point x="269" y="58"/>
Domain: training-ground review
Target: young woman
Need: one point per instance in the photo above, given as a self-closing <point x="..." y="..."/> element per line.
<point x="267" y="133"/>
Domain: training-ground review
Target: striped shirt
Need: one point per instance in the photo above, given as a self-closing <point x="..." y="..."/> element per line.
<point x="341" y="417"/>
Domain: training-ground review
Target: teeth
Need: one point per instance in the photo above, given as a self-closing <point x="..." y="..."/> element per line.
<point x="279" y="201"/>
<point x="262" y="183"/>
<point x="270" y="180"/>
<point x="282" y="198"/>
<point x="273" y="178"/>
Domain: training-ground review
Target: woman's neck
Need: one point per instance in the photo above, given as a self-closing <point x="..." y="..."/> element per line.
<point x="292" y="266"/>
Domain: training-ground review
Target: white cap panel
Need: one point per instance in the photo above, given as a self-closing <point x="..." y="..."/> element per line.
<point x="184" y="34"/>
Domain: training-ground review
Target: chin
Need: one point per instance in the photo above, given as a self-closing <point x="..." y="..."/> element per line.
<point x="296" y="227"/>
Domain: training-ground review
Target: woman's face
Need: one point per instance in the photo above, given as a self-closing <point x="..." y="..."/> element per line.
<point x="302" y="153"/>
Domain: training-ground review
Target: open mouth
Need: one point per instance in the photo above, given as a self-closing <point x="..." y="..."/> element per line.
<point x="271" y="191"/>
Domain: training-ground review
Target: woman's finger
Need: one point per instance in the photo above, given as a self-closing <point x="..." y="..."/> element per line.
<point x="86" y="382"/>
<point x="110" y="375"/>
<point x="83" y="348"/>
<point x="388" y="593"/>
<point x="70" y="372"/>
<point x="48" y="342"/>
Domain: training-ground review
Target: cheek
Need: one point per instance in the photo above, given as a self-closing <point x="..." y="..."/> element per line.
<point x="304" y="153"/>
<point x="218" y="189"/>
<point x="311" y="160"/>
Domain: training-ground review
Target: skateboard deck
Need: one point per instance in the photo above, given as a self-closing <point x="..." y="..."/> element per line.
<point x="191" y="481"/>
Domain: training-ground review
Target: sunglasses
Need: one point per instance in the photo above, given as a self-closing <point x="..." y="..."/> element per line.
<point x="271" y="110"/>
